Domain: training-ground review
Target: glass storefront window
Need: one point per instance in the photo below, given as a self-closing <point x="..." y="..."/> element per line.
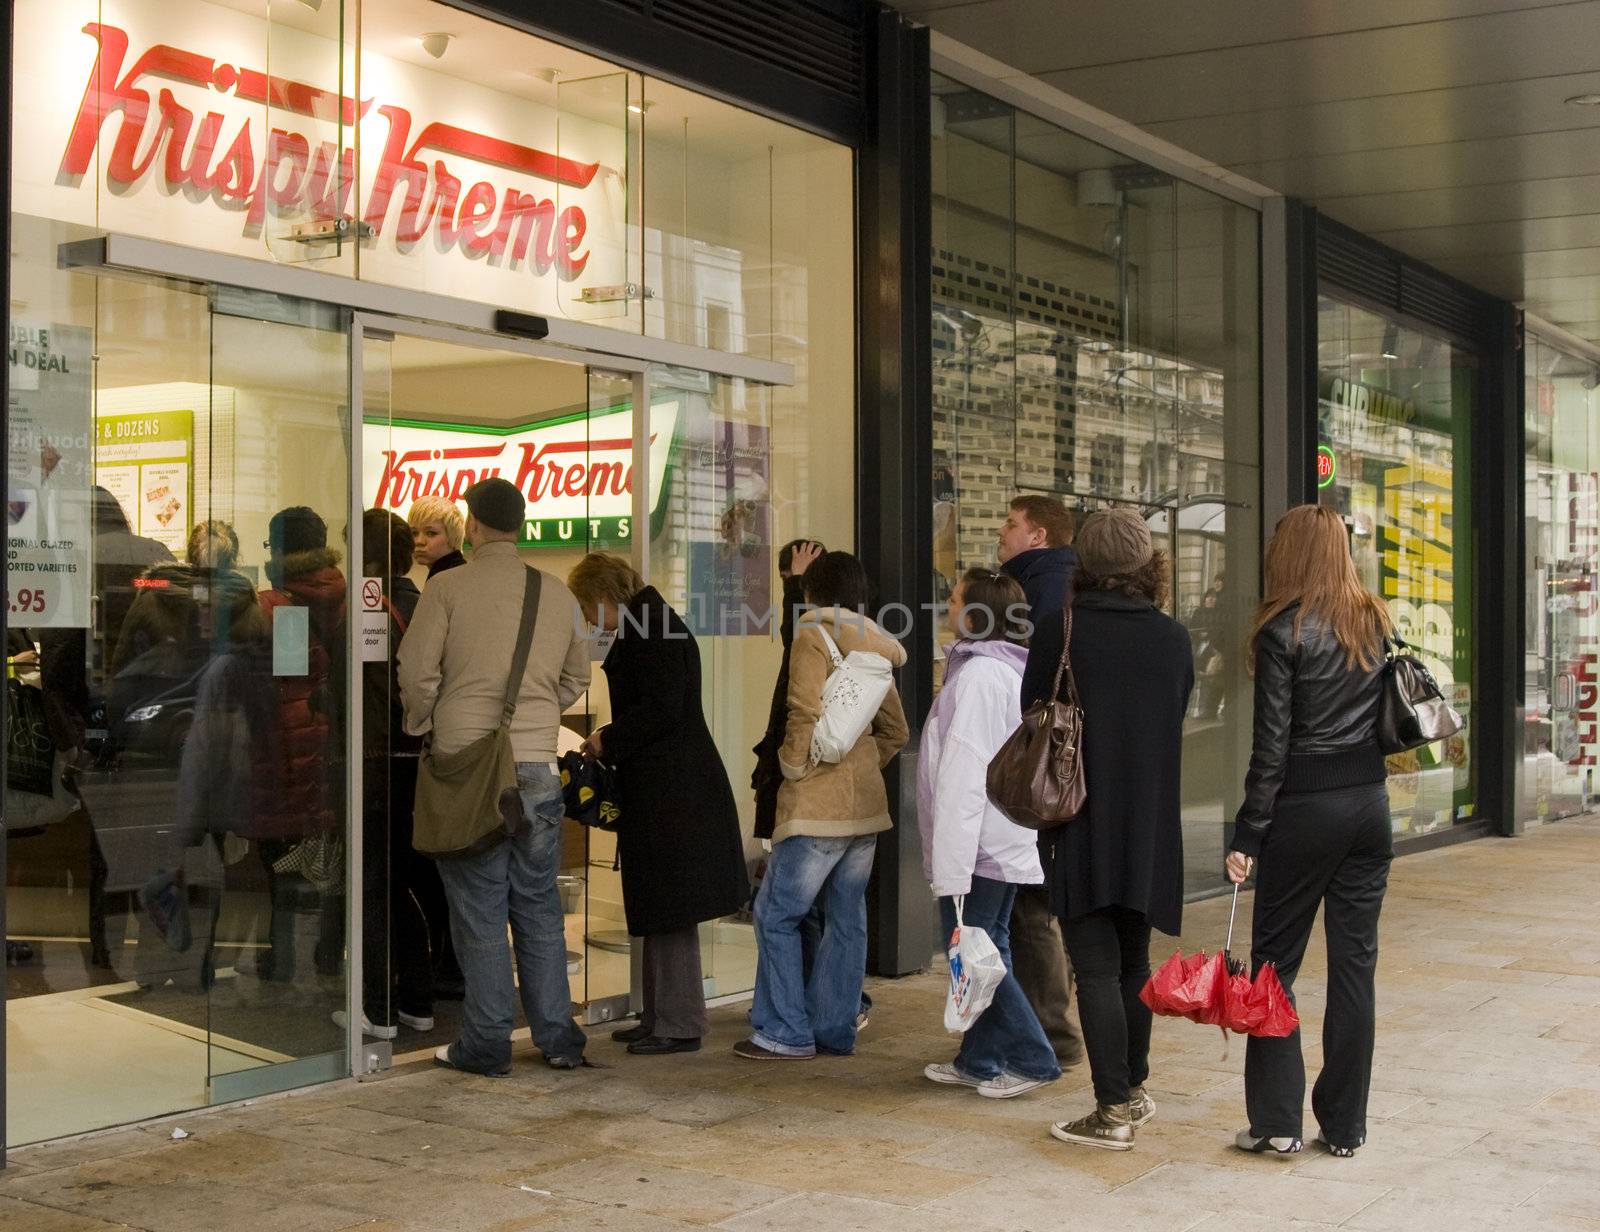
<point x="1395" y="406"/>
<point x="1561" y="734"/>
<point x="1095" y="337"/>
<point x="495" y="167"/>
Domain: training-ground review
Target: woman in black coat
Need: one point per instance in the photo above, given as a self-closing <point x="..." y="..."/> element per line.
<point x="679" y="842"/>
<point x="1119" y="866"/>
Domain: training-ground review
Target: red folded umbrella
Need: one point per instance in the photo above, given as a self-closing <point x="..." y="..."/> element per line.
<point x="1161" y="992"/>
<point x="1215" y="990"/>
<point x="1268" y="998"/>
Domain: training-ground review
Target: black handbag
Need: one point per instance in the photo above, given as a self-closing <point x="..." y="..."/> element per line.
<point x="1412" y="710"/>
<point x="591" y="791"/>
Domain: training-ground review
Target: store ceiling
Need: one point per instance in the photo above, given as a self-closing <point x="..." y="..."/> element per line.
<point x="1437" y="126"/>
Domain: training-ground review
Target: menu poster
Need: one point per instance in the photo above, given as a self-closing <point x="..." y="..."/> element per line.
<point x="143" y="459"/>
<point x="730" y="556"/>
<point x="47" y="475"/>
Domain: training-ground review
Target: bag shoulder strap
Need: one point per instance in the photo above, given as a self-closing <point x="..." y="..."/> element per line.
<point x="519" y="656"/>
<point x="833" y="650"/>
<point x="1064" y="668"/>
<point x="394" y="615"/>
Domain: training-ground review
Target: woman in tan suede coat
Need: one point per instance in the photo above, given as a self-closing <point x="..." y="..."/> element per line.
<point x="829" y="816"/>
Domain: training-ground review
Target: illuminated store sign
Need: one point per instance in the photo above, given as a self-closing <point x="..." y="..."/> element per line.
<point x="1327" y="466"/>
<point x="577" y="472"/>
<point x="161" y="119"/>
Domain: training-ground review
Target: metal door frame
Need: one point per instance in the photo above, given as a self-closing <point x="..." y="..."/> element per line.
<point x="367" y="1055"/>
<point x="374" y="309"/>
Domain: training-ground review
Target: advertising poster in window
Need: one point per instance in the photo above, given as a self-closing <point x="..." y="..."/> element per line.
<point x="48" y="475"/>
<point x="730" y="558"/>
<point x="144" y="461"/>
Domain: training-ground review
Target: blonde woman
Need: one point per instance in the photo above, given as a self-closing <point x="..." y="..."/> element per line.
<point x="1316" y="818"/>
<point x="439" y="527"/>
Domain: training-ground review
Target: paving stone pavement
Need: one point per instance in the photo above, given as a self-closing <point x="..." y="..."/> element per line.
<point x="1486" y="1107"/>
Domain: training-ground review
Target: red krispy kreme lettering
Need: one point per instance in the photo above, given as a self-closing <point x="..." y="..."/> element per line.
<point x="292" y="176"/>
<point x="543" y="472"/>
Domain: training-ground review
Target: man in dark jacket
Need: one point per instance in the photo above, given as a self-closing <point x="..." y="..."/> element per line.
<point x="793" y="561"/>
<point x="1036" y="549"/>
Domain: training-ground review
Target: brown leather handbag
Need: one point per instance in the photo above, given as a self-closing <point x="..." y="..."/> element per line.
<point x="1036" y="778"/>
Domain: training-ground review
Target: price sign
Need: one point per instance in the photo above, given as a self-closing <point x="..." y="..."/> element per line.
<point x="48" y="501"/>
<point x="28" y="601"/>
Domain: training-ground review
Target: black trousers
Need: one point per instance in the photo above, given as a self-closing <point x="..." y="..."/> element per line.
<point x="1110" y="953"/>
<point x="397" y="954"/>
<point x="1327" y="849"/>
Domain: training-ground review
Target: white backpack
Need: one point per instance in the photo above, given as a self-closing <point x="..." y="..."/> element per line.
<point x="851" y="696"/>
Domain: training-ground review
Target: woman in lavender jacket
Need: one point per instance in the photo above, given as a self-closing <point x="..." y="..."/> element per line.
<point x="970" y="850"/>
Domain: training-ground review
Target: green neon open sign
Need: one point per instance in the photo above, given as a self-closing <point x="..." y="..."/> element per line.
<point x="1327" y="466"/>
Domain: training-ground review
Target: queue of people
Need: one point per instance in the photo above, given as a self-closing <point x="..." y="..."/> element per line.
<point x="1072" y="613"/>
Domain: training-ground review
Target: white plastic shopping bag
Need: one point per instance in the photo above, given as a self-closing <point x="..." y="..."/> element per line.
<point x="976" y="970"/>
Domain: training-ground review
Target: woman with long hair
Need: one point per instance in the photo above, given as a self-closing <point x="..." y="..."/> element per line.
<point x="1316" y="819"/>
<point x="973" y="855"/>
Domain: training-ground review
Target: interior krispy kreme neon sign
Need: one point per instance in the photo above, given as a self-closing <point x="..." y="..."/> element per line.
<point x="577" y="468"/>
<point x="198" y="156"/>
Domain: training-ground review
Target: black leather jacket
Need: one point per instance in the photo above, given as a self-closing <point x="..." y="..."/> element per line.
<point x="1315" y="721"/>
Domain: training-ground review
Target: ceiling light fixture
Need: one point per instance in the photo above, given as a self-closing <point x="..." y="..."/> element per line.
<point x="1391" y="341"/>
<point x="640" y="107"/>
<point x="436" y="44"/>
<point x="1584" y="100"/>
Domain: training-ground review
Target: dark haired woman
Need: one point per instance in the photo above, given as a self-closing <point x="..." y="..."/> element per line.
<point x="973" y="855"/>
<point x="1316" y="815"/>
<point x="1119" y="867"/>
<point x="829" y="817"/>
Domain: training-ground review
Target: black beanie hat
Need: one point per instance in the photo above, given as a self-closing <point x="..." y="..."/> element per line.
<point x="298" y="528"/>
<point x="497" y="503"/>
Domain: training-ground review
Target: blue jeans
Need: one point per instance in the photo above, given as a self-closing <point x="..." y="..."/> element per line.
<point x="793" y="1014"/>
<point x="1007" y="1035"/>
<point x="513" y="882"/>
<point x="811" y="940"/>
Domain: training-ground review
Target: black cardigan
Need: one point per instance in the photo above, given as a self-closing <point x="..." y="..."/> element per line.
<point x="1134" y="668"/>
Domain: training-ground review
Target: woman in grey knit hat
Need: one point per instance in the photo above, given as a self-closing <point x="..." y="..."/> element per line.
<point x="1119" y="864"/>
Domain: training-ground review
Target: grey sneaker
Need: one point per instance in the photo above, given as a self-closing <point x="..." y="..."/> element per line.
<point x="1108" y="1127"/>
<point x="1006" y="1085"/>
<point x="1140" y="1106"/>
<point x="948" y="1075"/>
<point x="1247" y="1141"/>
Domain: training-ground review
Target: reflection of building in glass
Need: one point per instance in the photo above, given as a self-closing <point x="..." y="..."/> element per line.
<point x="1394" y="407"/>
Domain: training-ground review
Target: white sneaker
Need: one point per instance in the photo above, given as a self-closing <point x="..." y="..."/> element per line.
<point x="414" y="1021"/>
<point x="341" y="1019"/>
<point x="1246" y="1141"/>
<point x="1005" y="1085"/>
<point x="948" y="1075"/>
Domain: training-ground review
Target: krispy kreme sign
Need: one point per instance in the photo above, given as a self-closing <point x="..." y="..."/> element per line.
<point x="577" y="472"/>
<point x="160" y="118"/>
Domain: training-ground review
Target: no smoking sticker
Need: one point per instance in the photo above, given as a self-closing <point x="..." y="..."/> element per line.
<point x="374" y="622"/>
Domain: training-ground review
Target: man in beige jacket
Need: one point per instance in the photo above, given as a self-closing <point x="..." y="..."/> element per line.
<point x="454" y="664"/>
<point x="829" y="817"/>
